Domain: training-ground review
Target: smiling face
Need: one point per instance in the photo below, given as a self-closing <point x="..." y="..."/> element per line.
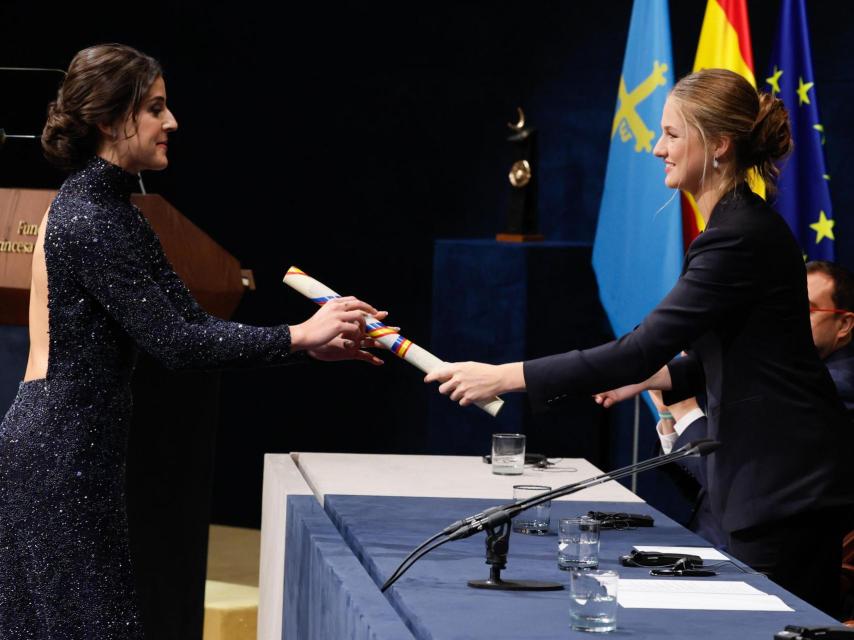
<point x="685" y="158"/>
<point x="142" y="143"/>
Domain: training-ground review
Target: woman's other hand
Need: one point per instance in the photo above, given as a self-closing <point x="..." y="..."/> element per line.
<point x="341" y="317"/>
<point x="340" y="348"/>
<point x="659" y="380"/>
<point x="612" y="397"/>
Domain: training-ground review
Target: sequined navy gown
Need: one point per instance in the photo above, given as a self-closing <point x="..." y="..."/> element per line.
<point x="64" y="562"/>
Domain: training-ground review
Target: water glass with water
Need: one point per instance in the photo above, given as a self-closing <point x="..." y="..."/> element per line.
<point x="534" y="521"/>
<point x="578" y="543"/>
<point x="593" y="600"/>
<point x="508" y="454"/>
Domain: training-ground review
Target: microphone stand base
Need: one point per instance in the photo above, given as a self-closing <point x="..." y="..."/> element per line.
<point x="515" y="585"/>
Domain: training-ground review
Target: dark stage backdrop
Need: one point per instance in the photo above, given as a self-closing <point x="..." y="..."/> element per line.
<point x="346" y="137"/>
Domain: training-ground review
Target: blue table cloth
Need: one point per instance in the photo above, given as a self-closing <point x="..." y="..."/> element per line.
<point x="328" y="594"/>
<point x="433" y="601"/>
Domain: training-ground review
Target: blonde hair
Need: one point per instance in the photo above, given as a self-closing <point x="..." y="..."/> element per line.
<point x="721" y="104"/>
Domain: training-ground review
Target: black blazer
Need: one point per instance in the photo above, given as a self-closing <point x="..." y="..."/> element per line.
<point x="740" y="308"/>
<point x="840" y="364"/>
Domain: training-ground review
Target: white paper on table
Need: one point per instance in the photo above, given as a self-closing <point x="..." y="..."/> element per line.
<point x="706" y="553"/>
<point x="709" y="595"/>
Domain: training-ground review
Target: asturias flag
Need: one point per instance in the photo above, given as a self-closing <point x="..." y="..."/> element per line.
<point x="804" y="194"/>
<point x="637" y="254"/>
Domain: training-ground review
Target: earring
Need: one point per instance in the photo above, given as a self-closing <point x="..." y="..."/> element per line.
<point x="715" y="163"/>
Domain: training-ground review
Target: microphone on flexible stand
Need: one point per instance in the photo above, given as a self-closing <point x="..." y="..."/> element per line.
<point x="36" y="69"/>
<point x="6" y="136"/>
<point x="496" y="522"/>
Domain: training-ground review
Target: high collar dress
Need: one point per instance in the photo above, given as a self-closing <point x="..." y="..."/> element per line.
<point x="65" y="569"/>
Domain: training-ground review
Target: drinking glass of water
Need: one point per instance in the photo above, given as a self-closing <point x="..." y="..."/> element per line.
<point x="578" y="543"/>
<point x="508" y="454"/>
<point x="534" y="521"/>
<point x="593" y="600"/>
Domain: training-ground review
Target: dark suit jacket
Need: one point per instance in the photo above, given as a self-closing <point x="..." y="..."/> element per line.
<point x="740" y="307"/>
<point x="840" y="364"/>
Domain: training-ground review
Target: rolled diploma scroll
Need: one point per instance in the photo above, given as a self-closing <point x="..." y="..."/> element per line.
<point x="386" y="336"/>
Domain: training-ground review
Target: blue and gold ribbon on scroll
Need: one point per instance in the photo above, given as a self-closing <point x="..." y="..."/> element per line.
<point x="295" y="271"/>
<point x="638" y="250"/>
<point x="378" y="330"/>
<point x="400" y="346"/>
<point x="803" y="197"/>
<point x="374" y="329"/>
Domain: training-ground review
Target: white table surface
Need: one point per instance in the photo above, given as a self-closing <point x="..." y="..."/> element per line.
<point x="281" y="479"/>
<point x="442" y="477"/>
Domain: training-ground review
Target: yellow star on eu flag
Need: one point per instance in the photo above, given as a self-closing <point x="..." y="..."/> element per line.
<point x="823" y="228"/>
<point x="803" y="87"/>
<point x="774" y="81"/>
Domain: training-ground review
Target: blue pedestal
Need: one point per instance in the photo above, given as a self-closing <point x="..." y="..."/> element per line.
<point x="502" y="302"/>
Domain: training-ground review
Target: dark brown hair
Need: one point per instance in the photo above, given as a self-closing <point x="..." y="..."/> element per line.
<point x="104" y="84"/>
<point x="843" y="282"/>
<point x="720" y="103"/>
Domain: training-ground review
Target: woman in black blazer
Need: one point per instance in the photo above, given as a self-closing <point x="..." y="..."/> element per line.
<point x="778" y="484"/>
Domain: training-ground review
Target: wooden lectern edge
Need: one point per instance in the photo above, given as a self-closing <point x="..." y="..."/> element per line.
<point x="519" y="237"/>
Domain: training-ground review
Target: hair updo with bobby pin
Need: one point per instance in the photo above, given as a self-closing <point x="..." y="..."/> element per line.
<point x="719" y="103"/>
<point x="104" y="85"/>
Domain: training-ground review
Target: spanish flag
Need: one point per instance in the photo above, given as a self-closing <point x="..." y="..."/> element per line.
<point x="724" y="44"/>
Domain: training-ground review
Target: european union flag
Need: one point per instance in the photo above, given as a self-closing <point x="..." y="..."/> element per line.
<point x="804" y="194"/>
<point x="638" y="252"/>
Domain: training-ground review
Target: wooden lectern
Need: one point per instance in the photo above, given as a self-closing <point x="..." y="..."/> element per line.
<point x="171" y="448"/>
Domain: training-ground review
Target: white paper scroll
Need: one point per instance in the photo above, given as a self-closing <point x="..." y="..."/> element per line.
<point x="386" y="336"/>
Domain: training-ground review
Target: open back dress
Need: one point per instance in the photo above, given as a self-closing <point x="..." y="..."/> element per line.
<point x="65" y="568"/>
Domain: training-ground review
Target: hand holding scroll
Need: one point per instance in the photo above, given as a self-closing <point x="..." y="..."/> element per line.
<point x="388" y="337"/>
<point x="342" y="316"/>
<point x="468" y="382"/>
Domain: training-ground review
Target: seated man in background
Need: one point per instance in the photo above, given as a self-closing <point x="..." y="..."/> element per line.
<point x="830" y="288"/>
<point x="831" y="292"/>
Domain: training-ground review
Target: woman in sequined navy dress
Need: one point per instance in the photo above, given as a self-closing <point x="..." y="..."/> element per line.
<point x="64" y="560"/>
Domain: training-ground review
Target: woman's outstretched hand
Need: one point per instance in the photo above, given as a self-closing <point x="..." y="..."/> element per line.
<point x="468" y="382"/>
<point x="342" y="317"/>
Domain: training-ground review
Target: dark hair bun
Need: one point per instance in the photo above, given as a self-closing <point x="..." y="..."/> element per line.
<point x="771" y="137"/>
<point x="104" y="85"/>
<point x="66" y="140"/>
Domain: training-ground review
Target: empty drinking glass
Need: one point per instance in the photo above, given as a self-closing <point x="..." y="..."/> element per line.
<point x="535" y="520"/>
<point x="578" y="543"/>
<point x="508" y="454"/>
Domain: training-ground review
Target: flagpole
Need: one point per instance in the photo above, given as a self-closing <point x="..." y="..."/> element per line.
<point x="635" y="443"/>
